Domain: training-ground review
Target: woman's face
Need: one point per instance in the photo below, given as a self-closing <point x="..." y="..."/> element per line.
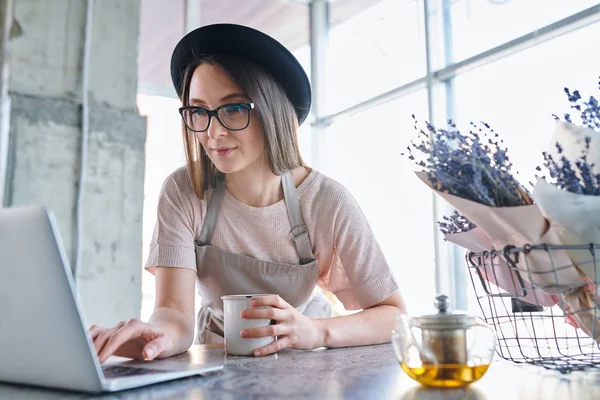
<point x="230" y="151"/>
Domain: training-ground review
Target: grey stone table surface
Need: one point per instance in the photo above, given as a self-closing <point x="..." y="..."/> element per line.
<point x="368" y="372"/>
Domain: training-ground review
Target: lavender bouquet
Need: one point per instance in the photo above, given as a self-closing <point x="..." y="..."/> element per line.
<point x="569" y="191"/>
<point x="471" y="165"/>
<point x="455" y="223"/>
<point x="473" y="173"/>
<point x="570" y="198"/>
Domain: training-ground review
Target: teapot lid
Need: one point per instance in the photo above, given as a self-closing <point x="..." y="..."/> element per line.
<point x="445" y="318"/>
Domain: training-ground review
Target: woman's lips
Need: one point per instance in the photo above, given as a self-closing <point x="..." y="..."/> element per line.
<point x="224" y="151"/>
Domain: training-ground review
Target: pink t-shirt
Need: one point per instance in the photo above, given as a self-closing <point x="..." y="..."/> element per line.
<point x="352" y="265"/>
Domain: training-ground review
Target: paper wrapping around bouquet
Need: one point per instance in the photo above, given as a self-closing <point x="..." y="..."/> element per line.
<point x="518" y="226"/>
<point x="580" y="306"/>
<point x="572" y="141"/>
<point x="500" y="273"/>
<point x="576" y="219"/>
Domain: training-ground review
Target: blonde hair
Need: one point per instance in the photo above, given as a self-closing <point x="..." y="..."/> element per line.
<point x="272" y="106"/>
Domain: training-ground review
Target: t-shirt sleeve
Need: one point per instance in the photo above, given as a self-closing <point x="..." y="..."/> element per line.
<point x="172" y="243"/>
<point x="359" y="275"/>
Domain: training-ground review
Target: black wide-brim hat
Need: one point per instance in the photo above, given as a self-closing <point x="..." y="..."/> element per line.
<point x="249" y="43"/>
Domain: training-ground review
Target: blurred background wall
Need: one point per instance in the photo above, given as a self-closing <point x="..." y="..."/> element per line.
<point x="47" y="75"/>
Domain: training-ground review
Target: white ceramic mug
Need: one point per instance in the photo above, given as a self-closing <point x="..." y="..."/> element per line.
<point x="235" y="344"/>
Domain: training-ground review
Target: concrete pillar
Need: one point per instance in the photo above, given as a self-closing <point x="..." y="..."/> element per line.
<point x="5" y="28"/>
<point x="45" y="88"/>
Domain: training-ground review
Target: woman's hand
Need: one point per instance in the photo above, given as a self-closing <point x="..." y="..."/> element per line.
<point x="293" y="329"/>
<point x="132" y="339"/>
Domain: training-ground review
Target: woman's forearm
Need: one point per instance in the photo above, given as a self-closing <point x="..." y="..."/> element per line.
<point x="370" y="326"/>
<point x="177" y="327"/>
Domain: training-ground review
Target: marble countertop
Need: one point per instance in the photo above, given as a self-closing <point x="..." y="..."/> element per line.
<point x="369" y="372"/>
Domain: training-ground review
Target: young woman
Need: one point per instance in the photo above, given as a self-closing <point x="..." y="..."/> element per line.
<point x="248" y="216"/>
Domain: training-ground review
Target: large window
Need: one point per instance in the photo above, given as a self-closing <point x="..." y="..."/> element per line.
<point x="364" y="154"/>
<point x="378" y="50"/>
<point x="518" y="94"/>
<point x="383" y="49"/>
<point x="479" y="25"/>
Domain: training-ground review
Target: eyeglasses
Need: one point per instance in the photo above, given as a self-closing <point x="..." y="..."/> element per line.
<point x="234" y="117"/>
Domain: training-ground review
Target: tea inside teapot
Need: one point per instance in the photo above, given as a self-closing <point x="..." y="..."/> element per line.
<point x="445" y="349"/>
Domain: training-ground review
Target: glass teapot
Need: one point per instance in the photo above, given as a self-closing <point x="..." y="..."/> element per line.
<point x="445" y="349"/>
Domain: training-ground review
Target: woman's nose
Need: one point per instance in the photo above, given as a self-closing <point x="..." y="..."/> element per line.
<point x="216" y="129"/>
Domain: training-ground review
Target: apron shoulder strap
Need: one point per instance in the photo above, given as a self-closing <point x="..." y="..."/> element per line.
<point x="212" y="213"/>
<point x="299" y="231"/>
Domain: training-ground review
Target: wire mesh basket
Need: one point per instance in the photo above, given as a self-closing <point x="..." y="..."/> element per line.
<point x="551" y="336"/>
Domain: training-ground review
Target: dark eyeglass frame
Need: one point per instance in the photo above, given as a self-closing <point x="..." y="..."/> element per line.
<point x="215" y="113"/>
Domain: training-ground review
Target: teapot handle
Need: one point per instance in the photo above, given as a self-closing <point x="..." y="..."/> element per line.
<point x="480" y="322"/>
<point x="405" y="345"/>
<point x="402" y="337"/>
<point x="490" y="348"/>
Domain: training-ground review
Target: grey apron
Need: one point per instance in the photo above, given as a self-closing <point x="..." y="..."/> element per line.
<point x="222" y="273"/>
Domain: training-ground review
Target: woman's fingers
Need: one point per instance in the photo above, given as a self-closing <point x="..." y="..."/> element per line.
<point x="266" y="331"/>
<point x="132" y="329"/>
<point x="271" y="300"/>
<point x="101" y="335"/>
<point x="273" y="347"/>
<point x="101" y="340"/>
<point x="155" y="348"/>
<point x="133" y="339"/>
<point x="95" y="330"/>
<point x="265" y="313"/>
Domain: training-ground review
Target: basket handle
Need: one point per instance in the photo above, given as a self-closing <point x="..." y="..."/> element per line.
<point x="520" y="292"/>
<point x="469" y="257"/>
<point x="513" y="264"/>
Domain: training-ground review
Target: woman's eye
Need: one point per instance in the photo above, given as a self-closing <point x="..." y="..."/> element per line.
<point x="233" y="111"/>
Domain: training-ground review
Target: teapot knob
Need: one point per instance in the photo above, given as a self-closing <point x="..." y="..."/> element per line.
<point x="442" y="303"/>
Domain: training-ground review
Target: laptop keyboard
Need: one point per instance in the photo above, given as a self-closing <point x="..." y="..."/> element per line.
<point x="118" y="371"/>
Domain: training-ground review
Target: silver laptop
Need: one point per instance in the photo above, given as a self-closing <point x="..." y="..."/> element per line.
<point x="43" y="336"/>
